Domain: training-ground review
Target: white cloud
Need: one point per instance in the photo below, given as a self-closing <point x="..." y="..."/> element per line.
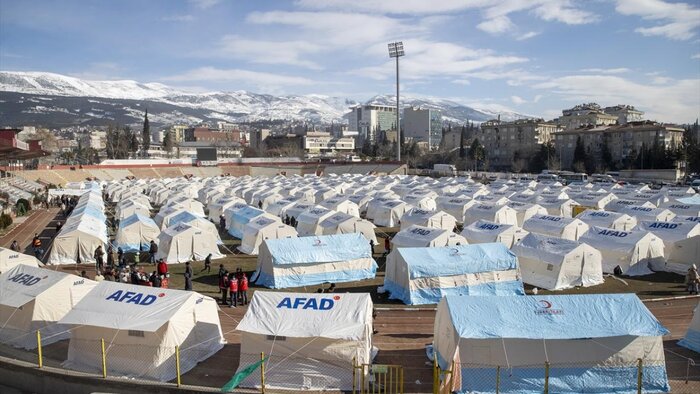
<point x="517" y="100"/>
<point x="204" y="4"/>
<point x="266" y="82"/>
<point x="620" y="70"/>
<point x="537" y="98"/>
<point x="696" y="56"/>
<point x="497" y="25"/>
<point x="527" y="36"/>
<point x="564" y="11"/>
<point x="438" y="59"/>
<point x="675" y="101"/>
<point x="677" y="21"/>
<point x="178" y="18"/>
<point x="270" y="52"/>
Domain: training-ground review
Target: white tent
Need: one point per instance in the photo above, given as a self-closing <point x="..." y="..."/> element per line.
<point x="620" y="205"/>
<point x="141" y="327"/>
<point x="648" y="213"/>
<point x="423" y="237"/>
<point x="595" y="200"/>
<point x="297" y="209"/>
<point x="425" y="202"/>
<point x="691" y="219"/>
<point x="305" y="261"/>
<point x="218" y="207"/>
<point x="199" y="222"/>
<point x="193" y="206"/>
<point x="77" y="241"/>
<point x="554" y="263"/>
<point x="362" y="200"/>
<point x="613" y="220"/>
<point x="309" y="221"/>
<point x="32" y="299"/>
<point x="681" y="244"/>
<point x="591" y="344"/>
<point x="427" y="218"/>
<point x="9" y="259"/>
<point x="692" y="336"/>
<point x="311" y="339"/>
<point x="386" y="213"/>
<point x="424" y="275"/>
<point x="556" y="226"/>
<point x="633" y="251"/>
<point x="165" y="212"/>
<point x="279" y="208"/>
<point x="263" y="227"/>
<point x="455" y="206"/>
<point x="501" y="214"/>
<point x="557" y="207"/>
<point x="130" y="208"/>
<point x="483" y="231"/>
<point x="342" y="223"/>
<point x="342" y="204"/>
<point x="680" y="208"/>
<point x="182" y="243"/>
<point x="135" y="233"/>
<point x="524" y="210"/>
<point x="238" y="218"/>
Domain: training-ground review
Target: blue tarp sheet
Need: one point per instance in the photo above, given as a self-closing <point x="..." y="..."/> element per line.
<point x="458" y="260"/>
<point x="553" y="316"/>
<point x="320" y="249"/>
<point x="693" y="200"/>
<point x="240" y="218"/>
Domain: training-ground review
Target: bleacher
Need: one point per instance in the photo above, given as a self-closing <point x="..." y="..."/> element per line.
<point x="14" y="193"/>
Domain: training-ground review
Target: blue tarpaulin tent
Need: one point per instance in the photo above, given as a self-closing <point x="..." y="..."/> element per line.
<point x="240" y="217"/>
<point x="303" y="261"/>
<point x="591" y="342"/>
<point x="424" y="275"/>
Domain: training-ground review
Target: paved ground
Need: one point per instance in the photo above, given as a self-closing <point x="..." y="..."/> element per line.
<point x="40" y="221"/>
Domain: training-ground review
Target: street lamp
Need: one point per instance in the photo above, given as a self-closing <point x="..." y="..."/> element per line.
<point x="396" y="51"/>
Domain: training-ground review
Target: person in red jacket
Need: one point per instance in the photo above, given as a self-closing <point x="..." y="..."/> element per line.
<point x="233" y="289"/>
<point x="162" y="267"/>
<point x="243" y="289"/>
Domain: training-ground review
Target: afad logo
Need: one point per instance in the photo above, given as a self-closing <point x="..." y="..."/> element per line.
<point x="26" y="279"/>
<point x="544" y="307"/>
<point x="134" y="298"/>
<point x="322" y="304"/>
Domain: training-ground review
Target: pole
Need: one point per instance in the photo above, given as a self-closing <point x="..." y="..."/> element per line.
<point x="38" y="343"/>
<point x="262" y="372"/>
<point x="104" y="359"/>
<point x="546" y="377"/>
<point x="177" y="364"/>
<point x="398" y="125"/>
<point x="639" y="376"/>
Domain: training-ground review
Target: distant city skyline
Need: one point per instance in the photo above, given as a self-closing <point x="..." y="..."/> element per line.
<point x="529" y="56"/>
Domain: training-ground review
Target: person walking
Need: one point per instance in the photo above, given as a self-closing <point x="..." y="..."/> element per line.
<point x="14" y="246"/>
<point x="222" y="222"/>
<point x="233" y="290"/>
<point x="387" y="245"/>
<point x="207" y="264"/>
<point x="36" y="246"/>
<point x="152" y="250"/>
<point x="59" y="226"/>
<point x="99" y="255"/>
<point x="110" y="256"/>
<point x="223" y="287"/>
<point x="162" y="267"/>
<point x="243" y="289"/>
<point x="188" y="276"/>
<point x="692" y="280"/>
<point x="120" y="257"/>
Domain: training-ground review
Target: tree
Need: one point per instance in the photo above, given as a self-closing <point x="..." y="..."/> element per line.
<point x="462" y="148"/>
<point x="146" y="135"/>
<point x="167" y="144"/>
<point x="477" y="153"/>
<point x="579" y="163"/>
<point x="606" y="156"/>
<point x="690" y="148"/>
<point x="543" y="159"/>
<point x="133" y="142"/>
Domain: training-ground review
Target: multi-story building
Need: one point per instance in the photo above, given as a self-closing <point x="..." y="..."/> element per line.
<point x="370" y="120"/>
<point x="506" y="141"/>
<point x="585" y="115"/>
<point x="324" y="144"/>
<point x="422" y="125"/>
<point x="178" y="132"/>
<point x="258" y="137"/>
<point x="624" y="113"/>
<point x="623" y="141"/>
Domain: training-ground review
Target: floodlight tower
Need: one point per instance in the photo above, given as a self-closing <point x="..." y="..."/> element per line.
<point x="396" y="51"/>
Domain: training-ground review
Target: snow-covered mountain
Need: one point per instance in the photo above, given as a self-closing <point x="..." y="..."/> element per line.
<point x="41" y="97"/>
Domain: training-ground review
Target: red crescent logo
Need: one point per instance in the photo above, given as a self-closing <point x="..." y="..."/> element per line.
<point x="546" y="304"/>
<point x="336" y="298"/>
<point x="161" y="295"/>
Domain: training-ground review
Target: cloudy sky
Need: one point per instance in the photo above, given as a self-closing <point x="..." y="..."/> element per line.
<point x="531" y="56"/>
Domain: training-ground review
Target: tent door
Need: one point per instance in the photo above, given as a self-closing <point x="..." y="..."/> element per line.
<point x="377" y="378"/>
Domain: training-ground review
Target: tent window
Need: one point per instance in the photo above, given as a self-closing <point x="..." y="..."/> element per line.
<point x="550" y="267"/>
<point x="276" y="338"/>
<point x="136" y="333"/>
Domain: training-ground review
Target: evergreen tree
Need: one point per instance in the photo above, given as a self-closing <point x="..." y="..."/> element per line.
<point x="167" y="142"/>
<point x="477" y="153"/>
<point x="146" y="135"/>
<point x="579" y="163"/>
<point x="606" y="156"/>
<point x="690" y="148"/>
<point x="462" y="148"/>
<point x="133" y="142"/>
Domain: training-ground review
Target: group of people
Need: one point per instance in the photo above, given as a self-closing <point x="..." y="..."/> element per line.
<point x="233" y="287"/>
<point x="290" y="221"/>
<point x="66" y="203"/>
<point x="692" y="280"/>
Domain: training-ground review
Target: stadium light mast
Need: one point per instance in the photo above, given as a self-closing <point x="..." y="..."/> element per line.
<point x="396" y="51"/>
